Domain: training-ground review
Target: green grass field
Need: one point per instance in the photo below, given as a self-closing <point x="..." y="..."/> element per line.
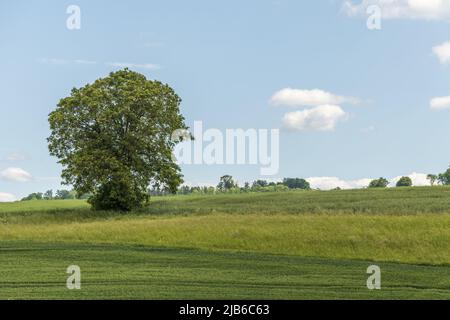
<point x="293" y="245"/>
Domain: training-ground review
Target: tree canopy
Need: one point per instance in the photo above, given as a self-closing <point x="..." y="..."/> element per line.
<point x="296" y="183"/>
<point x="432" y="178"/>
<point x="114" y="139"/>
<point x="404" y="182"/>
<point x="379" y="183"/>
<point x="444" y="178"/>
<point x="226" y="183"/>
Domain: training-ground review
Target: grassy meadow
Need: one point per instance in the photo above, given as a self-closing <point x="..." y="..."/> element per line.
<point x="287" y="245"/>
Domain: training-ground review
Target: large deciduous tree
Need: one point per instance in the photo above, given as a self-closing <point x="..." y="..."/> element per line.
<point x="114" y="139"/>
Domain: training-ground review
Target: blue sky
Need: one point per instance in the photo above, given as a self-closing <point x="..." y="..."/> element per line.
<point x="228" y="60"/>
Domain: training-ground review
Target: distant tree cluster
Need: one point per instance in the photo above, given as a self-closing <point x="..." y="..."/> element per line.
<point x="441" y="178"/>
<point x="227" y="184"/>
<point x="434" y="179"/>
<point x="383" y="183"/>
<point x="58" y="195"/>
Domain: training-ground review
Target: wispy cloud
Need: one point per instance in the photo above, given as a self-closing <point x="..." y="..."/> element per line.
<point x="57" y="61"/>
<point x="130" y="65"/>
<point x="442" y="51"/>
<point x="402" y="9"/>
<point x="15" y="156"/>
<point x="15" y="175"/>
<point x="85" y="62"/>
<point x="149" y="66"/>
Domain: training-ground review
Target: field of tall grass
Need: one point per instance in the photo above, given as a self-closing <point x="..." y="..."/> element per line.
<point x="390" y="201"/>
<point x="410" y="225"/>
<point x="421" y="239"/>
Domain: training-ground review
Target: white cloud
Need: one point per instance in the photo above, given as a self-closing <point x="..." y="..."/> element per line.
<point x="65" y="61"/>
<point x="16" y="157"/>
<point x="53" y="61"/>
<point x="85" y="62"/>
<point x="15" y="175"/>
<point x="402" y="9"/>
<point x="329" y="183"/>
<point x="7" y="197"/>
<point x="418" y="179"/>
<point x="440" y="103"/>
<point x="300" y="98"/>
<point x="321" y="118"/>
<point x="442" y="51"/>
<point x="130" y="65"/>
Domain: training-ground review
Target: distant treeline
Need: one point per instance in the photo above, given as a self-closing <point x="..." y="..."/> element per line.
<point x="228" y="185"/>
<point x="58" y="195"/>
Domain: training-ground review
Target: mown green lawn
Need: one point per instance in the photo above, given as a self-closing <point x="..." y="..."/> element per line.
<point x="37" y="271"/>
<point x="293" y="245"/>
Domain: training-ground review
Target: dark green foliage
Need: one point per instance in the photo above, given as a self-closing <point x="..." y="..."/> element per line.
<point x="296" y="183"/>
<point x="432" y="178"/>
<point x="33" y="196"/>
<point x="117" y="195"/>
<point x="444" y="178"/>
<point x="114" y="139"/>
<point x="64" y="195"/>
<point x="260" y="183"/>
<point x="405" y="182"/>
<point x="379" y="183"/>
<point x="226" y="183"/>
<point x="48" y="195"/>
